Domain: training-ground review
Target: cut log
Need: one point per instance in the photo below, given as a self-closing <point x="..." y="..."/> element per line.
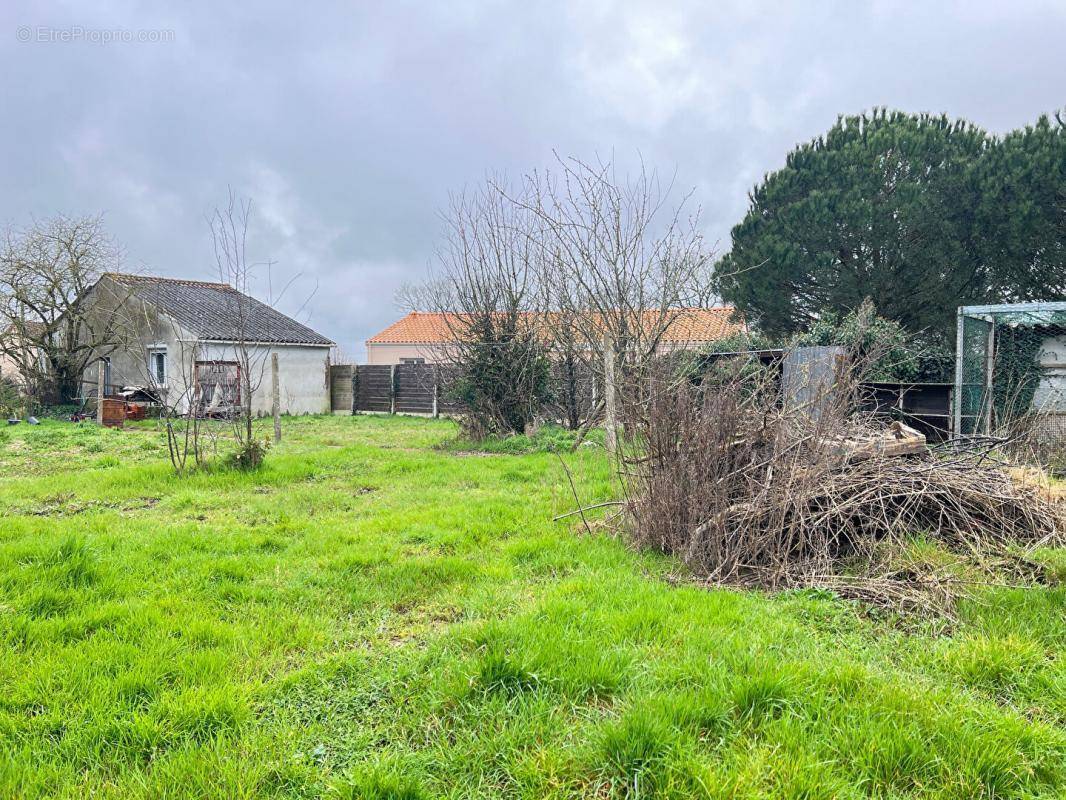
<point x="897" y="440"/>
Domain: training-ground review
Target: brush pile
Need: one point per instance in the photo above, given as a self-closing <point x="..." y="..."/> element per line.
<point x="750" y="488"/>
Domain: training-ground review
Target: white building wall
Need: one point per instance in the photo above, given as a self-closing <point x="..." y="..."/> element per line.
<point x="1050" y="395"/>
<point x="303" y="372"/>
<point x="130" y="363"/>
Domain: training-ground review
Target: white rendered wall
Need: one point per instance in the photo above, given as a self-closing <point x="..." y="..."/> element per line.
<point x="302" y="370"/>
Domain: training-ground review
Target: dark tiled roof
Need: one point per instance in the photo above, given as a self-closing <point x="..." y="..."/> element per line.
<point x="212" y="310"/>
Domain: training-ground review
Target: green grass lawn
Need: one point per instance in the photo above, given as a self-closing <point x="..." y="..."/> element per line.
<point x="372" y="616"/>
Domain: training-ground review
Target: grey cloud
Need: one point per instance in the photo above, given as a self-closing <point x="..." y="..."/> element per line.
<point x="348" y="127"/>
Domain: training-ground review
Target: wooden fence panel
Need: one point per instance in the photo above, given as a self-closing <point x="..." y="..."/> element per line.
<point x="373" y="387"/>
<point x="429" y="389"/>
<point x="415" y="388"/>
<point x="411" y="389"/>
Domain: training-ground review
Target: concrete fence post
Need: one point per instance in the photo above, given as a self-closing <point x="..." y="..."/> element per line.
<point x="436" y="391"/>
<point x="610" y="396"/>
<point x="275" y="395"/>
<point x="392" y="388"/>
<point x="355" y="389"/>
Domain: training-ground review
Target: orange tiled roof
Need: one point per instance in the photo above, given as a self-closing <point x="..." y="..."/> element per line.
<point x="704" y="324"/>
<point x="418" y="327"/>
<point x="690" y="325"/>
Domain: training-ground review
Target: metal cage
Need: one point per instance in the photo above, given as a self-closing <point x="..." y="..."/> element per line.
<point x="1010" y="360"/>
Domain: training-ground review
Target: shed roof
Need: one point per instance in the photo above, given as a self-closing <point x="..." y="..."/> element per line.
<point x="210" y="311"/>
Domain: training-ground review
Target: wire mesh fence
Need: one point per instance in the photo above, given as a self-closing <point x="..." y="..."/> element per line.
<point x="1010" y="370"/>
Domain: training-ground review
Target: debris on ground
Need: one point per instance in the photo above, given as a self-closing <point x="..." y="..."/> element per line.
<point x="750" y="491"/>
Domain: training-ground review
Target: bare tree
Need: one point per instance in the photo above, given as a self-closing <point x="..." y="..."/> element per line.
<point x="190" y="436"/>
<point x="579" y="266"/>
<point x="486" y="286"/>
<point x="229" y="234"/>
<point x="50" y="333"/>
<point x="620" y="266"/>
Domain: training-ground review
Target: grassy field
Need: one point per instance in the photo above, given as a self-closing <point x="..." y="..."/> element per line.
<point x="372" y="616"/>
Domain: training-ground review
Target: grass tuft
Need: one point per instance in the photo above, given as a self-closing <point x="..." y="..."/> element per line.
<point x="499" y="672"/>
<point x="379" y="782"/>
<point x="995" y="664"/>
<point x="764" y="696"/>
<point x="634" y="751"/>
<point x="73" y="563"/>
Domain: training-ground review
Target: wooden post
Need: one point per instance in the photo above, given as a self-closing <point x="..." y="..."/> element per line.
<point x="100" y="392"/>
<point x="610" y="400"/>
<point x="392" y="388"/>
<point x="276" y="394"/>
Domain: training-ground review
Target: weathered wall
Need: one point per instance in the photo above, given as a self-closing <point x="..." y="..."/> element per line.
<point x="341" y="378"/>
<point x="143" y="329"/>
<point x="302" y="371"/>
<point x="9" y="369"/>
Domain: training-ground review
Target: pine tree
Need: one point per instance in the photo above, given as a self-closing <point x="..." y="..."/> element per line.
<point x="917" y="212"/>
<point x="1022" y="214"/>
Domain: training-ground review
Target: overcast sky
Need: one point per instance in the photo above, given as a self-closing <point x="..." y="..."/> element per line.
<point x="348" y="128"/>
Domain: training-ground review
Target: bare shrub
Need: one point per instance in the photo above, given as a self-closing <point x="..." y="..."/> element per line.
<point x="752" y="488"/>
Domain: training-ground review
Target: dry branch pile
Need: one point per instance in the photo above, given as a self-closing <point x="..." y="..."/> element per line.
<point x="749" y="488"/>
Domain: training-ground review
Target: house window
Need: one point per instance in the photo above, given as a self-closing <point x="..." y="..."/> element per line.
<point x="412" y="361"/>
<point x="157" y="364"/>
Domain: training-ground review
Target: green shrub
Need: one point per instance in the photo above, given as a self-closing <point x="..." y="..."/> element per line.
<point x="741" y="342"/>
<point x="62" y="412"/>
<point x="862" y="332"/>
<point x="503" y="376"/>
<point x="248" y="456"/>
